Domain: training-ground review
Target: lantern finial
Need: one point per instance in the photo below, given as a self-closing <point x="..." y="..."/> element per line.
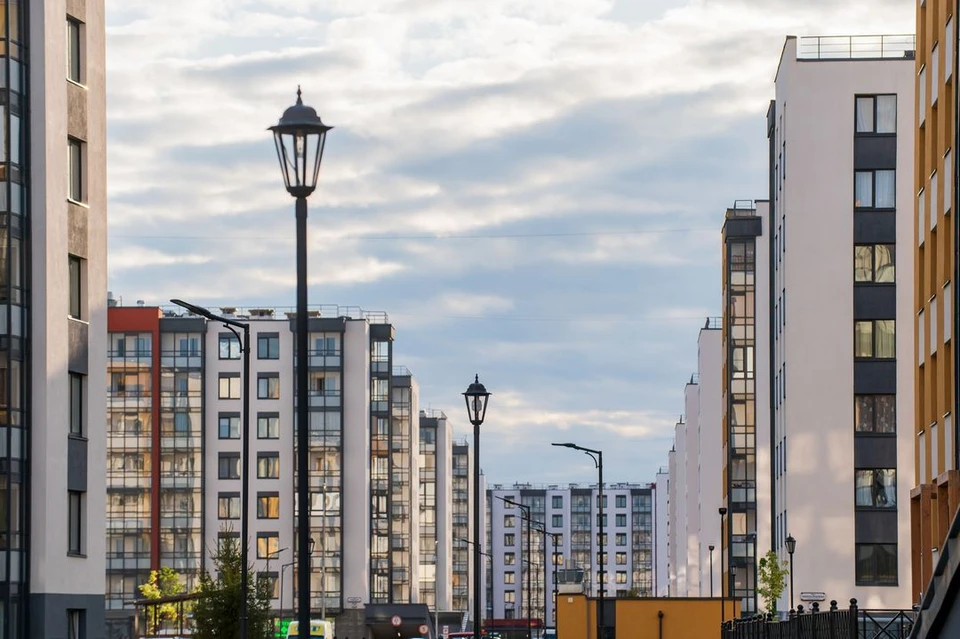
<point x="299" y="99"/>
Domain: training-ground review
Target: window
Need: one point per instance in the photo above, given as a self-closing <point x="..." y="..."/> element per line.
<point x="229" y="426"/>
<point x="621" y="520"/>
<point x="621" y="577"/>
<point x="874" y="263"/>
<point x="876" y="564"/>
<point x="74" y="65"/>
<point x="509" y="577"/>
<point x="76" y="281"/>
<point x="875" y="189"/>
<point x="76" y="404"/>
<point x="621" y="539"/>
<point x="556" y="521"/>
<point x="268" y="385"/>
<point x="268" y="545"/>
<point x="877" y="488"/>
<point x="229" y="386"/>
<point x="74" y="522"/>
<point x="875" y="413"/>
<point x="75" y="170"/>
<point x="509" y="597"/>
<point x="76" y="624"/>
<point x="557" y="501"/>
<point x="509" y="539"/>
<point x="602" y="521"/>
<point x="621" y="558"/>
<point x="509" y="521"/>
<point x="877" y="114"/>
<point x="558" y="559"/>
<point x="621" y="501"/>
<point x="268" y="465"/>
<point x="229" y="346"/>
<point x="225" y="537"/>
<point x="228" y="506"/>
<point x="268" y="506"/>
<point x="271" y="583"/>
<point x="874" y="339"/>
<point x="509" y="559"/>
<point x="268" y="426"/>
<point x="268" y="346"/>
<point x="228" y="466"/>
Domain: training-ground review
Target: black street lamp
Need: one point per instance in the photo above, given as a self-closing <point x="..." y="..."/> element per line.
<point x="711" y="569"/>
<point x="723" y="611"/>
<point x="300" y="137"/>
<point x="543" y="528"/>
<point x="476" y="397"/>
<point x="791" y="547"/>
<point x="233" y="325"/>
<point x="597" y="457"/>
<point x="529" y="559"/>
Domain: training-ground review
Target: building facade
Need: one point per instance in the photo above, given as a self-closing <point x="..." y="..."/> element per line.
<point x="175" y="427"/>
<point x="436" y="506"/>
<point x="934" y="499"/>
<point x="53" y="317"/>
<point x="565" y="535"/>
<point x="838" y="315"/>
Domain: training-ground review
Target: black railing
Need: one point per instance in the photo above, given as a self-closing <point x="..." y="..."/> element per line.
<point x="834" y="623"/>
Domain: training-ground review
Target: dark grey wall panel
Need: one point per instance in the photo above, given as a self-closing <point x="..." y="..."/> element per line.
<point x="876" y="526"/>
<point x="874" y="301"/>
<point x="742" y="227"/>
<point x="875" y="377"/>
<point x="48" y="615"/>
<point x="875" y="451"/>
<point x="78" y="346"/>
<point x="183" y="325"/>
<point x="875" y="152"/>
<point x="875" y="227"/>
<point x="76" y="464"/>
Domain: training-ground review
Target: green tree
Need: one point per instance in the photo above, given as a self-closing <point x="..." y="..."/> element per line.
<point x="771" y="579"/>
<point x="162" y="583"/>
<point x="216" y="613"/>
<point x="633" y="593"/>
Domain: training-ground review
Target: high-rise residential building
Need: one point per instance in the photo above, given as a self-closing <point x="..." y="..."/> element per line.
<point x="435" y="484"/>
<point x="53" y="320"/>
<point x="935" y="498"/>
<point x="833" y="308"/>
<point x="570" y="516"/>
<point x="661" y="533"/>
<point x="462" y="513"/>
<point x="175" y="393"/>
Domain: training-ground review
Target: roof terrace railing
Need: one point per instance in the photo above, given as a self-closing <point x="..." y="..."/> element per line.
<point x="863" y="47"/>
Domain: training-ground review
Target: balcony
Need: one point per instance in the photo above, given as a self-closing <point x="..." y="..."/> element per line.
<point x="324" y="398"/>
<point x="861" y="47"/>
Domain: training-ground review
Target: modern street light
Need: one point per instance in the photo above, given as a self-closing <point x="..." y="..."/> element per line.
<point x="233" y="326"/>
<point x="711" y="570"/>
<point x="476" y="397"/>
<point x="723" y="611"/>
<point x="300" y="137"/>
<point x="529" y="558"/>
<point x="791" y="547"/>
<point x="597" y="457"/>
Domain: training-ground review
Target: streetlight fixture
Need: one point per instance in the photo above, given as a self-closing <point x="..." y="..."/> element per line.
<point x="723" y="610"/>
<point x="529" y="558"/>
<point x="476" y="397"/>
<point x="791" y="547"/>
<point x="300" y="137"/>
<point x="597" y="457"/>
<point x="543" y="528"/>
<point x="234" y="326"/>
<point x="711" y="569"/>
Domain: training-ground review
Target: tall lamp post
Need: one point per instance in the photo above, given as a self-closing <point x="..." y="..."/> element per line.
<point x="529" y="558"/>
<point x="597" y="457"/>
<point x="283" y="569"/>
<point x="233" y="326"/>
<point x="711" y="570"/>
<point x="723" y="611"/>
<point x="543" y="528"/>
<point x="300" y="137"/>
<point x="476" y="397"/>
<point x="791" y="546"/>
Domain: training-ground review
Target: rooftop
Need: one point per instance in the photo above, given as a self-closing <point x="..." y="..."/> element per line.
<point x="857" y="47"/>
<point x="528" y="486"/>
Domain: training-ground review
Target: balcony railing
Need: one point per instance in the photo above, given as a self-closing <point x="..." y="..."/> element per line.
<point x="864" y="47"/>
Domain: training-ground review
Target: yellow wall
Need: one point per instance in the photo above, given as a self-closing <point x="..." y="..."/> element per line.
<point x="637" y="618"/>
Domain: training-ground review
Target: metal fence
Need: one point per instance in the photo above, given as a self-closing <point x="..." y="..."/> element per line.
<point x="834" y="623"/>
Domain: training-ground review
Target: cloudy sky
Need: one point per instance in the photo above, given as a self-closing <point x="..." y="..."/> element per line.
<point x="531" y="189"/>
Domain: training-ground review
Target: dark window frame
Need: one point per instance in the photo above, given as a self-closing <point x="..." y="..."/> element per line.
<point x="75" y="536"/>
<point x="263" y="392"/>
<point x="75" y="50"/>
<point x="75" y="273"/>
<point x="871" y="409"/>
<point x="872" y="578"/>
<point x="268" y="455"/>
<point x="233" y="423"/>
<point x="231" y="341"/>
<point x="270" y="497"/>
<point x="77" y="405"/>
<point x="260" y="425"/>
<point x="268" y="346"/>
<point x="75" y="170"/>
<point x="234" y="460"/>
<point x="873" y="98"/>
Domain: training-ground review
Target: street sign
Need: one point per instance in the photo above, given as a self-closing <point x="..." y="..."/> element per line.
<point x="445" y="631"/>
<point x="424" y="629"/>
<point x="813" y="596"/>
<point x="395" y="621"/>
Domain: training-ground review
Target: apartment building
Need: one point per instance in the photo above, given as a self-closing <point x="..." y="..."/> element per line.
<point x="436" y="506"/>
<point x="53" y="319"/>
<point x="835" y="309"/>
<point x="661" y="532"/>
<point x="175" y="392"/>
<point x="934" y="499"/>
<point x="565" y="534"/>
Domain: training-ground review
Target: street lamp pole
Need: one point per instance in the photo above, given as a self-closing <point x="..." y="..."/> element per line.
<point x="300" y="137"/>
<point x="711" y="571"/>
<point x="476" y="397"/>
<point x="597" y="457"/>
<point x="791" y="546"/>
<point x="529" y="559"/>
<point x="723" y="611"/>
<point x="543" y="528"/>
<point x="233" y="326"/>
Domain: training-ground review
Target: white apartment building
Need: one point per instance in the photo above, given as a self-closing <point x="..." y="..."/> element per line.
<point x="662" y="537"/>
<point x="839" y="315"/>
<point x="53" y="321"/>
<point x="570" y="516"/>
<point x="436" y="510"/>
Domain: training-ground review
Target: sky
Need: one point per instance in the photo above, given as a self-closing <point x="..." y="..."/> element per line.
<point x="532" y="190"/>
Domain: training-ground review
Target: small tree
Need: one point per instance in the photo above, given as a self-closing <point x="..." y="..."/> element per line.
<point x="216" y="614"/>
<point x="162" y="583"/>
<point x="771" y="579"/>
